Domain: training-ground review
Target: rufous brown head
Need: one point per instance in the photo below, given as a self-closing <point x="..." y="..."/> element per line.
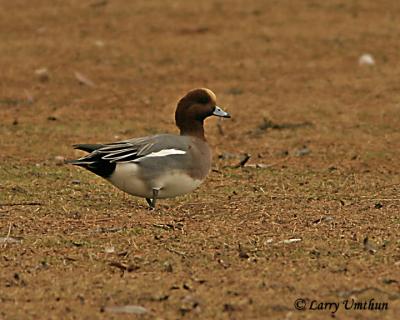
<point x="194" y="108"/>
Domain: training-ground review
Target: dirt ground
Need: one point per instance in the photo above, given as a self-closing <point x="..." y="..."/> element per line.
<point x="313" y="215"/>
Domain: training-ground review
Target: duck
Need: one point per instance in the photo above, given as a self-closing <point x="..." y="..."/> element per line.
<point x="162" y="165"/>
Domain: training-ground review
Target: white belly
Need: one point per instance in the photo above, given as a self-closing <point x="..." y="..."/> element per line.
<point x="175" y="184"/>
<point x="172" y="184"/>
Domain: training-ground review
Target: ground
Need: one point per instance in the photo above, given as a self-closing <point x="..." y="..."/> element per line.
<point x="313" y="214"/>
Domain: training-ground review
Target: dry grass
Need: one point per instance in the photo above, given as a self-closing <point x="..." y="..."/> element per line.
<point x="72" y="246"/>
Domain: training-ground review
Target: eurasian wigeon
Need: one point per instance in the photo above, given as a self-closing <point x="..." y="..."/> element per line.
<point x="163" y="165"/>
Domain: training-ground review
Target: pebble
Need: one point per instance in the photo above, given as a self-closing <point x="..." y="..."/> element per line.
<point x="42" y="74"/>
<point x="59" y="160"/>
<point x="366" y="59"/>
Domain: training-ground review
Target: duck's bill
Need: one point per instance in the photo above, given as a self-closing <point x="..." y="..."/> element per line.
<point x="221" y="113"/>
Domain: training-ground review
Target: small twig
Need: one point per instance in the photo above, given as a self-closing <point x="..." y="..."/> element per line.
<point x="264" y="166"/>
<point x="9" y="231"/>
<point x="113" y="229"/>
<point x="164" y="226"/>
<point x="169" y="226"/>
<point x="183" y="254"/>
<point x="124" y="267"/>
<point x="100" y="220"/>
<point x="11" y="204"/>
<point x="242" y="162"/>
<point x="8" y="235"/>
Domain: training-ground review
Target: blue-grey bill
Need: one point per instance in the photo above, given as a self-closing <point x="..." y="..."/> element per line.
<point x="220" y="113"/>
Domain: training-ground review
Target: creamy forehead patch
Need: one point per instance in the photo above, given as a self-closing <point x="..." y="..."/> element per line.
<point x="211" y="94"/>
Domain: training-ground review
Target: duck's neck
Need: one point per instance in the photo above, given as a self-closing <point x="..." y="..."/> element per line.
<point x="195" y="129"/>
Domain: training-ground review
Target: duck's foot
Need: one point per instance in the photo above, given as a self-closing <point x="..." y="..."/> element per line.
<point x="152" y="201"/>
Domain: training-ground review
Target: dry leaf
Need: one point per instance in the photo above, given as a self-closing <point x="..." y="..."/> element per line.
<point x="132" y="309"/>
<point x="84" y="80"/>
<point x="291" y="240"/>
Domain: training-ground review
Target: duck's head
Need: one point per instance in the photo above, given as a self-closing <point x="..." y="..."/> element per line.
<point x="193" y="108"/>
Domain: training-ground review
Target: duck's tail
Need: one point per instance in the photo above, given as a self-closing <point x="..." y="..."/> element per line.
<point x="93" y="161"/>
<point x="87" y="147"/>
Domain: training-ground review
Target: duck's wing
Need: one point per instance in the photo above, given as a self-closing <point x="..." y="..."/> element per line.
<point x="134" y="150"/>
<point x="103" y="158"/>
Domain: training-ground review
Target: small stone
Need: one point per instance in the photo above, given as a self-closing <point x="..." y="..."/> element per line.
<point x="59" y="160"/>
<point x="131" y="309"/>
<point x="189" y="303"/>
<point x="302" y="151"/>
<point x="366" y="59"/>
<point x="42" y="74"/>
<point x="110" y="249"/>
<point x="324" y="219"/>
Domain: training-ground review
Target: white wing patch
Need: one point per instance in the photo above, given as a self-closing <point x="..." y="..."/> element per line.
<point x="161" y="153"/>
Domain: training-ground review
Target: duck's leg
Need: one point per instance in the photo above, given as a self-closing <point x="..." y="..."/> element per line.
<point x="155" y="194"/>
<point x="152" y="201"/>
